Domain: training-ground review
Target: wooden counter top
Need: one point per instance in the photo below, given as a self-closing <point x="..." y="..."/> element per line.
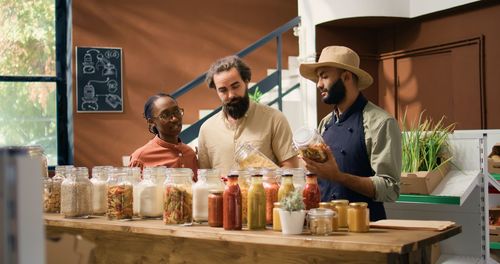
<point x="377" y="240"/>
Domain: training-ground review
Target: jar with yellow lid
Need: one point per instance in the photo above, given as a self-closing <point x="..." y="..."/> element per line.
<point x="335" y="220"/>
<point x="358" y="217"/>
<point x="276" y="217"/>
<point x="341" y="206"/>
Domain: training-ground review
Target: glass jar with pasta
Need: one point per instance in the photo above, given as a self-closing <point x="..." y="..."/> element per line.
<point x="310" y="144"/>
<point x="120" y="194"/>
<point x="178" y="197"/>
<point x="247" y="156"/>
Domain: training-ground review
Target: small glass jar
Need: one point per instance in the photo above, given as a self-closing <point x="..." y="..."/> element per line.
<point x="286" y="186"/>
<point x="120" y="194"/>
<point x="99" y="189"/>
<point x="178" y="197"/>
<point x="208" y="179"/>
<point x="335" y="220"/>
<point x="52" y="190"/>
<point x="150" y="195"/>
<point x="341" y="206"/>
<point x="76" y="194"/>
<point x="310" y="144"/>
<point x="215" y="210"/>
<point x="271" y="186"/>
<point x="256" y="203"/>
<point x="232" y="204"/>
<point x="276" y="217"/>
<point x="358" y="217"/>
<point x="249" y="157"/>
<point x="311" y="193"/>
<point x="243" y="182"/>
<point x="320" y="221"/>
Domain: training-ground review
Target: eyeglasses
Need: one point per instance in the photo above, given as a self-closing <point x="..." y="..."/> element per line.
<point x="167" y="115"/>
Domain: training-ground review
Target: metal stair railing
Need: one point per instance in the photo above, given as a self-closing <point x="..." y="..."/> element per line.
<point x="264" y="85"/>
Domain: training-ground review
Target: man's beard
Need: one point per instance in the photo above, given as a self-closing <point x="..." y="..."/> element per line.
<point x="238" y="106"/>
<point x="336" y="93"/>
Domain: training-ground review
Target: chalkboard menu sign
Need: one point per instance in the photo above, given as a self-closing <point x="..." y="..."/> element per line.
<point x="99" y="79"/>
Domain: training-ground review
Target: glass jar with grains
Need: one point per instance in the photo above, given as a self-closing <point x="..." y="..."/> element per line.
<point x="150" y="195"/>
<point x="208" y="179"/>
<point x="178" y="197"/>
<point x="52" y="190"/>
<point x="99" y="190"/>
<point x="76" y="194"/>
<point x="320" y="221"/>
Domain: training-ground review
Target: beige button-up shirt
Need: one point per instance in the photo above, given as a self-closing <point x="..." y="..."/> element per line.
<point x="264" y="127"/>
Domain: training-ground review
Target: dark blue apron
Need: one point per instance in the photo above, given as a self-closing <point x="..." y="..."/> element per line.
<point x="346" y="138"/>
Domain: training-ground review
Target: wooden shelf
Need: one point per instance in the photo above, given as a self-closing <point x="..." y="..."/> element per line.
<point x="453" y="189"/>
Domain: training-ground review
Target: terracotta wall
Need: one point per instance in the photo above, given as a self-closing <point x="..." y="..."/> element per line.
<point x="165" y="45"/>
<point x="381" y="36"/>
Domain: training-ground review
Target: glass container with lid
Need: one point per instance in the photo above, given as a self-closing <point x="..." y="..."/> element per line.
<point x="150" y="195"/>
<point x="232" y="209"/>
<point x="52" y="190"/>
<point x="286" y="186"/>
<point x="120" y="194"/>
<point x="208" y="179"/>
<point x="271" y="186"/>
<point x="178" y="197"/>
<point x="310" y="144"/>
<point x="256" y="202"/>
<point x="215" y="208"/>
<point x="76" y="194"/>
<point x="247" y="156"/>
<point x="99" y="189"/>
<point x="311" y="192"/>
<point x="320" y="221"/>
<point x="358" y="217"/>
<point x="341" y="206"/>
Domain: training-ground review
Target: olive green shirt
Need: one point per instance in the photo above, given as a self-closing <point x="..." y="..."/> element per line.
<point x="383" y="144"/>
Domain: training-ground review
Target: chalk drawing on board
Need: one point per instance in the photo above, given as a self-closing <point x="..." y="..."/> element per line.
<point x="99" y="79"/>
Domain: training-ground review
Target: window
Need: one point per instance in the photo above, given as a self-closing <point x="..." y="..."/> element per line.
<point x="32" y="91"/>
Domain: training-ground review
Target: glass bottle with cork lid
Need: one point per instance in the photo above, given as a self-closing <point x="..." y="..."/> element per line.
<point x="120" y="194"/>
<point x="311" y="192"/>
<point x="76" y="194"/>
<point x="256" y="202"/>
<point x="232" y="208"/>
<point x="358" y="217"/>
<point x="178" y="197"/>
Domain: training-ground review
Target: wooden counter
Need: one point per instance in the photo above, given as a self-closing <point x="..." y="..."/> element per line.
<point x="150" y="241"/>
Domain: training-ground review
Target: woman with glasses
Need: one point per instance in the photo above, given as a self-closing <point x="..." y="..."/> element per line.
<point x="164" y="117"/>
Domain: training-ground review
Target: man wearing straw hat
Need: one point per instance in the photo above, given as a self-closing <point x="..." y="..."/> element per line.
<point x="364" y="141"/>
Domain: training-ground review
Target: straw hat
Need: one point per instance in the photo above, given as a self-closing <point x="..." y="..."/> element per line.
<point x="338" y="57"/>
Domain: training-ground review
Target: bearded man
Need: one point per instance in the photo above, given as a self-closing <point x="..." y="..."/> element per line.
<point x="241" y="121"/>
<point x="364" y="141"/>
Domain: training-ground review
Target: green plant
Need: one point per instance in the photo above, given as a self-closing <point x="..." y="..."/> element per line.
<point x="425" y="144"/>
<point x="293" y="202"/>
<point x="256" y="95"/>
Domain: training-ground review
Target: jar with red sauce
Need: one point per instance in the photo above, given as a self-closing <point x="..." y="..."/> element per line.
<point x="311" y="193"/>
<point x="232" y="204"/>
<point x="215" y="211"/>
<point x="271" y="186"/>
